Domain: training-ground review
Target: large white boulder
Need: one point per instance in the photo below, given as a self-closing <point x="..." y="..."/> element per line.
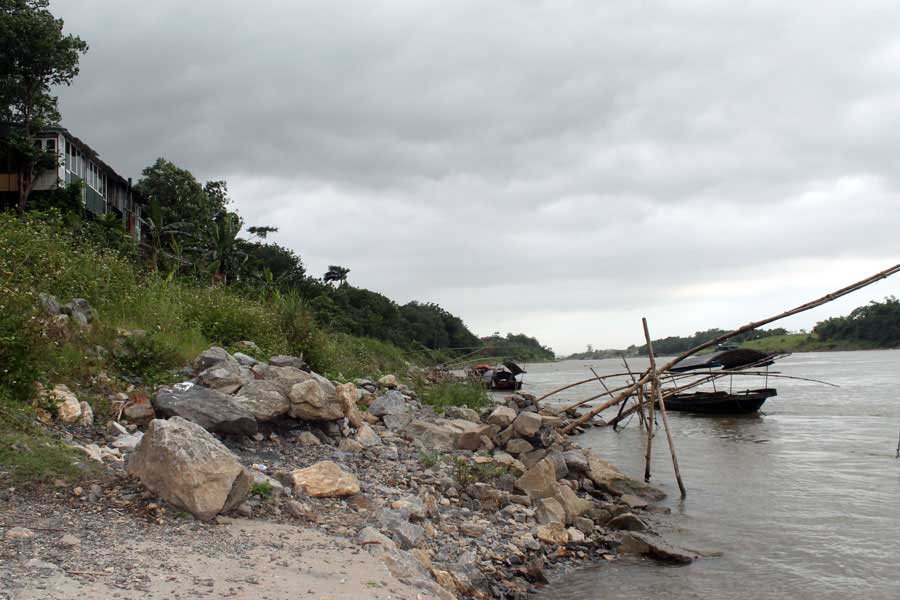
<point x="182" y="463"/>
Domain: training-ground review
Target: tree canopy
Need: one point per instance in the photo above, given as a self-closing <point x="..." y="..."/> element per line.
<point x="36" y="57"/>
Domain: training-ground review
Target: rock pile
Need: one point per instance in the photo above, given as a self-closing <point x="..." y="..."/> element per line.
<point x="467" y="503"/>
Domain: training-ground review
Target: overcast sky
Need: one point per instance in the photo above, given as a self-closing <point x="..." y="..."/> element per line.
<point x="559" y="168"/>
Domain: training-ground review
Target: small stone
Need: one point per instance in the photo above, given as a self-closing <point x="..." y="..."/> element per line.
<point x="575" y="535"/>
<point x="308" y="438"/>
<point x="627" y="522"/>
<point x="87" y="415"/>
<point x="325" y="479"/>
<point x="553" y="533"/>
<point x="633" y="501"/>
<point x="350" y="445"/>
<point x="549" y="510"/>
<point x="472" y="528"/>
<point x="518" y="446"/>
<point x="389" y="382"/>
<point x="67" y="405"/>
<point x="69" y="541"/>
<point x="583" y="524"/>
<point x="366" y="436"/>
<point x="42" y="565"/>
<point x="18" y="533"/>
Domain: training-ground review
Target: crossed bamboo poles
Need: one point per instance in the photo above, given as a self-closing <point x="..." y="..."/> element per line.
<point x="653" y="374"/>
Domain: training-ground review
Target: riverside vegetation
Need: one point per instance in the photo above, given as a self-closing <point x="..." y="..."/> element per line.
<point x="873" y="326"/>
<point x="125" y="430"/>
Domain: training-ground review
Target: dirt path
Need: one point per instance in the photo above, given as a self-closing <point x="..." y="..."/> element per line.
<point x="125" y="559"/>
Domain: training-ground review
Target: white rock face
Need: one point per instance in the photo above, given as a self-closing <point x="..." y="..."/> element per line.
<point x="181" y="462"/>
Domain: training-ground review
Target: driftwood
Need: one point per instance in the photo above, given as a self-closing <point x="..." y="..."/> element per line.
<point x="662" y="410"/>
<point x="748" y="327"/>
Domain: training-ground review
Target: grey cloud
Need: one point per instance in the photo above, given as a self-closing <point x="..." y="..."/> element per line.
<point x="524" y="163"/>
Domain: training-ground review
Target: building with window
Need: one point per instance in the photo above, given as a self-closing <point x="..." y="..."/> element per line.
<point x="103" y="191"/>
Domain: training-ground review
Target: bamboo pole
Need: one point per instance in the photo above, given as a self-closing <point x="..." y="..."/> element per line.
<point x="577" y="383"/>
<point x="662" y="409"/>
<point x="651" y="420"/>
<point x="748" y="327"/>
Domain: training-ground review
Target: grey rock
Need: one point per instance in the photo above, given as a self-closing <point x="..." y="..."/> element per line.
<point x="549" y="510"/>
<point x="311" y="402"/>
<point x="397" y="422"/>
<point x="245" y="359"/>
<point x="80" y="311"/>
<point x="182" y="463"/>
<point x="49" y="304"/>
<point x="654" y="546"/>
<point x="264" y="400"/>
<point x="517" y="446"/>
<point x="375" y="541"/>
<point x="576" y="462"/>
<point x="287" y="361"/>
<point x="391" y="403"/>
<point x="627" y="522"/>
<point x="224" y="377"/>
<point x="461" y="412"/>
<point x="212" y="410"/>
<point x="212" y="357"/>
<point x="406" y="534"/>
<point x="527" y="423"/>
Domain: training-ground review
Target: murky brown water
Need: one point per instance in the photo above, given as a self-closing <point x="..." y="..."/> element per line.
<point x="803" y="501"/>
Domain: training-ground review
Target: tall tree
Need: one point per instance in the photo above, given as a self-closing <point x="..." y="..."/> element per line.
<point x="336" y="273"/>
<point x="183" y="199"/>
<point x="36" y="56"/>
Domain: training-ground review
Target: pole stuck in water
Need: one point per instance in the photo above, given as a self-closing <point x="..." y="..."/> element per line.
<point x="662" y="410"/>
<point x="748" y="327"/>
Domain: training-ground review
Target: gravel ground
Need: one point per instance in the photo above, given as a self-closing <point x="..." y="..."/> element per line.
<point x="95" y="549"/>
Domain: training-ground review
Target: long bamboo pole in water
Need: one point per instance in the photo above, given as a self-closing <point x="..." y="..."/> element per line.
<point x="748" y="327"/>
<point x="662" y="411"/>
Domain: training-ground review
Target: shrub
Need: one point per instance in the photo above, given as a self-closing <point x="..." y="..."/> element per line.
<point x="470" y="394"/>
<point x="146" y="356"/>
<point x="466" y="473"/>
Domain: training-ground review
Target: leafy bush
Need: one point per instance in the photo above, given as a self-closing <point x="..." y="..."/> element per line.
<point x="146" y="355"/>
<point x="18" y="347"/>
<point x="345" y="357"/>
<point x="452" y="393"/>
<point x="466" y="473"/>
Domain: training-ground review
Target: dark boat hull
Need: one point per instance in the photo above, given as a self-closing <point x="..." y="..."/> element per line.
<point x="506" y="385"/>
<point x="720" y="403"/>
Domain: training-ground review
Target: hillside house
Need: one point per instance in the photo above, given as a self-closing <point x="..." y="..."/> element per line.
<point x="104" y="191"/>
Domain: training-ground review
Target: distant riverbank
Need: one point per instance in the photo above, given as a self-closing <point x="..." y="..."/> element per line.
<point x="791" y="342"/>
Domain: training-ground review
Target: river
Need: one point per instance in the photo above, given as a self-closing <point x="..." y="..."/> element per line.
<point x="802" y="500"/>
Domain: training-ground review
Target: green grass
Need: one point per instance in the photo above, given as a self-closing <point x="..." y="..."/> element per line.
<point x="804" y="342"/>
<point x="178" y="318"/>
<point x="263" y="490"/>
<point x="29" y="459"/>
<point x="465" y="393"/>
<point x="466" y="473"/>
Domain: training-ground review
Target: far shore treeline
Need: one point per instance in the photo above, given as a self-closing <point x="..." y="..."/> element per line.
<point x="875" y="325"/>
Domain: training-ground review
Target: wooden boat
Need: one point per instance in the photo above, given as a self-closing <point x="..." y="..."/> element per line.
<point x="720" y="402"/>
<point x="503" y="377"/>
